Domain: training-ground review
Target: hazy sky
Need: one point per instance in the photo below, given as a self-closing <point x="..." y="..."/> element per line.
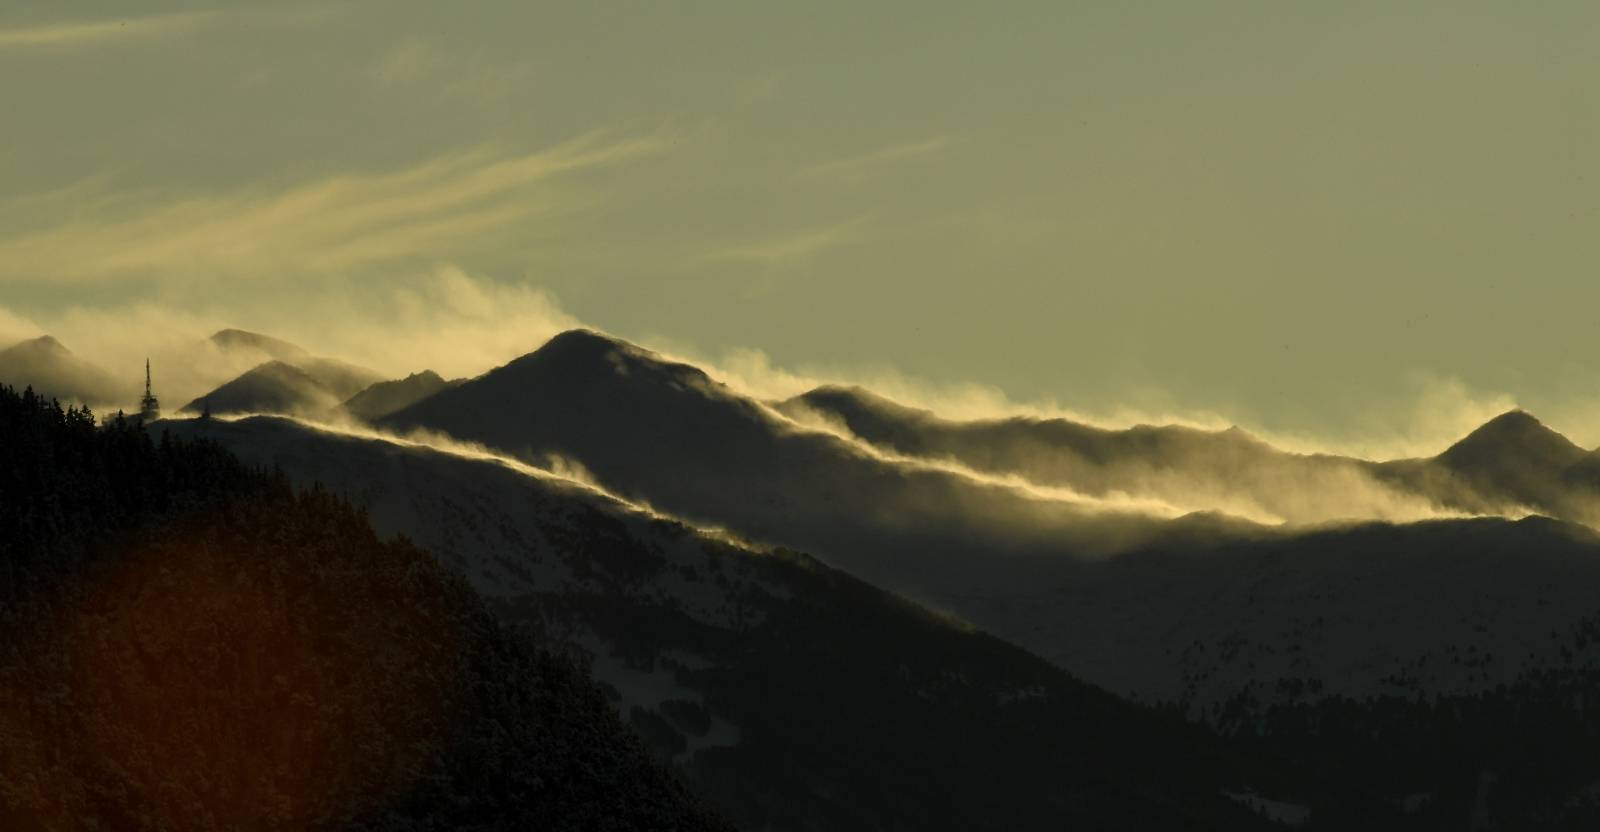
<point x="1325" y="219"/>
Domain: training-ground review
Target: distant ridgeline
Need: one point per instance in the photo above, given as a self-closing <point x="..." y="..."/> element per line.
<point x="187" y="643"/>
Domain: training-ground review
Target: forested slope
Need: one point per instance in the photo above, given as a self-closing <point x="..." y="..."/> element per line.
<point x="187" y="643"/>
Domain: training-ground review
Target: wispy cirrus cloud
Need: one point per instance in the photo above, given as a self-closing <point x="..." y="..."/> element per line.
<point x="864" y="164"/>
<point x="407" y="60"/>
<point x="70" y="34"/>
<point x="90" y="32"/>
<point x="411" y="61"/>
<point x="766" y="262"/>
<point x="335" y="223"/>
<point x="781" y="248"/>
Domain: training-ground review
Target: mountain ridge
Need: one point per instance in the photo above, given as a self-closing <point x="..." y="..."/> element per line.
<point x="1515" y="432"/>
<point x="754" y="637"/>
<point x="277" y="349"/>
<point x="1511" y="464"/>
<point x="48" y="366"/>
<point x="658" y="433"/>
<point x="271" y="387"/>
<point x="385" y="397"/>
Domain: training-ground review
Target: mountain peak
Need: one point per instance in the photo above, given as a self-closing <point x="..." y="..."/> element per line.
<point x="1516" y="425"/>
<point x="42" y="344"/>
<point x="587" y="352"/>
<point x="844" y="391"/>
<point x="276" y="366"/>
<point x="46" y="365"/>
<point x="386" y="397"/>
<point x="1516" y="433"/>
<point x="581" y="341"/>
<point x="237" y="339"/>
<point x="270" y="387"/>
<point x="580" y="379"/>
<point x="1240" y="436"/>
<point x="853" y="402"/>
<point x="1514" y="419"/>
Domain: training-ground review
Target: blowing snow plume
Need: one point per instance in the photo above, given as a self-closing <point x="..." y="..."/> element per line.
<point x="666" y="433"/>
<point x="1511" y="466"/>
<point x="443" y="321"/>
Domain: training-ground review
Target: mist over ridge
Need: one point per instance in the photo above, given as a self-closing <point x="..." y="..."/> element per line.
<point x="461" y="325"/>
<point x="1050" y="589"/>
<point x="1222" y="468"/>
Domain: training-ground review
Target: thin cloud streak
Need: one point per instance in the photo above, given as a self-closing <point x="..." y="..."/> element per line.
<point x="412" y="61"/>
<point x="336" y="223"/>
<point x="75" y="34"/>
<point x="786" y="247"/>
<point x="86" y="33"/>
<point x="857" y="167"/>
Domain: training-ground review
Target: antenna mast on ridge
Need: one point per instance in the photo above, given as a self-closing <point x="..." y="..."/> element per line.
<point x="149" y="406"/>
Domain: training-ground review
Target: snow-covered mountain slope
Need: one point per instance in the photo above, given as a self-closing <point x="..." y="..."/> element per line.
<point x="1193" y="609"/>
<point x="1431" y="608"/>
<point x="1456" y="606"/>
<point x="789" y="691"/>
<point x="665" y="434"/>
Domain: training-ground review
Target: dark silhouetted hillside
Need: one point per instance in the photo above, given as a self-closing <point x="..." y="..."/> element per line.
<point x="386" y="397"/>
<point x="192" y="644"/>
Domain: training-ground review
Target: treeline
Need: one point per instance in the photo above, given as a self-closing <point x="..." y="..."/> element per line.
<point x="189" y="643"/>
<point x="68" y="483"/>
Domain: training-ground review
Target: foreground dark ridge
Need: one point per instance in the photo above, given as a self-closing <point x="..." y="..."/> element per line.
<point x="190" y="644"/>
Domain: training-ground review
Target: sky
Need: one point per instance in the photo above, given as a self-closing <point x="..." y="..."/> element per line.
<point x="1366" y="226"/>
